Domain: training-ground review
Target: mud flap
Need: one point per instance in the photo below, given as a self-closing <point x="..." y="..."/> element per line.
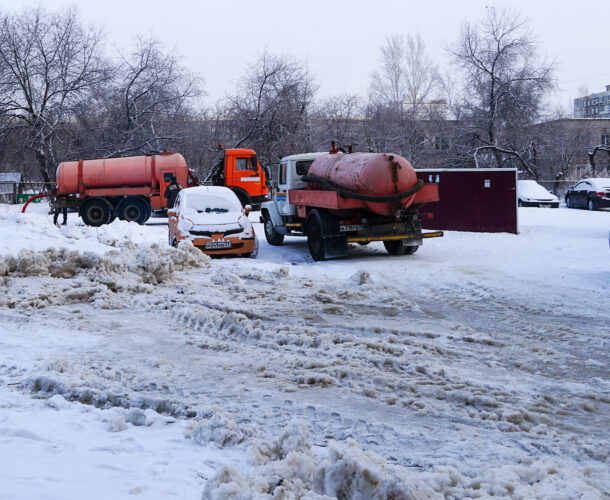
<point x="335" y="245"/>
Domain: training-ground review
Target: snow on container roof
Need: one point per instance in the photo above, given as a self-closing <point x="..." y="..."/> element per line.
<point x="10" y="177"/>
<point x="6" y="181"/>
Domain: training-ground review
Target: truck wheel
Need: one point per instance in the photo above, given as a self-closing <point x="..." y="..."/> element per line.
<point x="133" y="210"/>
<point x="410" y="250"/>
<point x="95" y="212"/>
<point x="395" y="247"/>
<point x="273" y="237"/>
<point x="314" y="238"/>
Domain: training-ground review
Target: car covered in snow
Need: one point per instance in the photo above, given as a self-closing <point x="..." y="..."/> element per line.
<point x="213" y="219"/>
<point x="532" y="194"/>
<point x="592" y="193"/>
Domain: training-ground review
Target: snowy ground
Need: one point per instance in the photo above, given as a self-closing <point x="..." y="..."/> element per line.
<point x="476" y="367"/>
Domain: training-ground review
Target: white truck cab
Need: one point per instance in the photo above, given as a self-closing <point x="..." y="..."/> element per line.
<point x="278" y="213"/>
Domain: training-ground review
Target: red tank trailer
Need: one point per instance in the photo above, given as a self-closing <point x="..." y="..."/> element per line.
<point x="128" y="188"/>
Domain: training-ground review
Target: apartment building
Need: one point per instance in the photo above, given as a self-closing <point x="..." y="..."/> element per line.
<point x="593" y="105"/>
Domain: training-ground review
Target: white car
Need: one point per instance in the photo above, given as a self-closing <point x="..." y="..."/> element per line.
<point x="532" y="194"/>
<point x="213" y="219"/>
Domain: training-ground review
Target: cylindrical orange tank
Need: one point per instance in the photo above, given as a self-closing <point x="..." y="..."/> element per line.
<point x="376" y="174"/>
<point x="132" y="171"/>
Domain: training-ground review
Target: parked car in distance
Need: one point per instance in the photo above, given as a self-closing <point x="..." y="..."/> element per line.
<point x="532" y="194"/>
<point x="593" y="193"/>
<point x="213" y="219"/>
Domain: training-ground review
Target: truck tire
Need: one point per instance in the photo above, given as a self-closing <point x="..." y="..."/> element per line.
<point x="410" y="250"/>
<point x="273" y="237"/>
<point x="95" y="212"/>
<point x="315" y="241"/>
<point x="134" y="209"/>
<point x="395" y="247"/>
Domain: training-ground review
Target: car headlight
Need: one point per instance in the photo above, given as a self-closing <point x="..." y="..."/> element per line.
<point x="185" y="225"/>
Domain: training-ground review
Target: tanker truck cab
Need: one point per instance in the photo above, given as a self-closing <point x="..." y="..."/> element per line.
<point x="279" y="214"/>
<point x="240" y="170"/>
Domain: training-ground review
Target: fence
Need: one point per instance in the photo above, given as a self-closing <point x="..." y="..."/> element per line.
<point x="20" y="192"/>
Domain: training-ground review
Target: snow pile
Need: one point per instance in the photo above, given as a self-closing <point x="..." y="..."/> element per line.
<point x="294" y="438"/>
<point x="350" y="472"/>
<point x="35" y="230"/>
<point x="530" y="478"/>
<point x="287" y="468"/>
<point x="220" y="428"/>
<point x="94" y="277"/>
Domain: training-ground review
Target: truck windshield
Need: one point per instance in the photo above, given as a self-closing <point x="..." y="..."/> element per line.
<point x="303" y="166"/>
<point x="210" y="204"/>
<point x="253" y="164"/>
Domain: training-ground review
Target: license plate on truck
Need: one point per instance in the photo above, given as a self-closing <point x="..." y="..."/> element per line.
<point x="215" y="245"/>
<point x="351" y="227"/>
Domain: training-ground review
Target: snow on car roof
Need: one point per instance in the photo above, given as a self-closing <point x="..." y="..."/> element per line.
<point x="531" y="189"/>
<point x="220" y="191"/>
<point x="599" y="182"/>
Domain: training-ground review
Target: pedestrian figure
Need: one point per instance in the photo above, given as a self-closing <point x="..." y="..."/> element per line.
<point x="558" y="179"/>
<point x="64" y="211"/>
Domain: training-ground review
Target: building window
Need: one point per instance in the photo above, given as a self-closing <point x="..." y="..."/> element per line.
<point x="605" y="139"/>
<point x="441" y="142"/>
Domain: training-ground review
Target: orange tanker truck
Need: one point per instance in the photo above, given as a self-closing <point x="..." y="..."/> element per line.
<point x="129" y="188"/>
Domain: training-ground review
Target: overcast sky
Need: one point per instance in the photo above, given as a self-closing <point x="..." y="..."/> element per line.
<point x="340" y="39"/>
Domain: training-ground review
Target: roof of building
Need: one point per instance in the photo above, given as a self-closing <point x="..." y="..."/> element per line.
<point x="10" y="177"/>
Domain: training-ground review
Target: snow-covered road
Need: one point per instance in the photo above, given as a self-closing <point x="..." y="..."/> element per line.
<point x="476" y="367"/>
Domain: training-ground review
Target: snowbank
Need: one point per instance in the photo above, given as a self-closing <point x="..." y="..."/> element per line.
<point x="134" y="268"/>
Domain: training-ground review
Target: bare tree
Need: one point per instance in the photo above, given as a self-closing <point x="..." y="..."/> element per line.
<point x="152" y="89"/>
<point x="408" y="77"/>
<point x="49" y="63"/>
<point x="336" y="118"/>
<point x="505" y="84"/>
<point x="401" y="113"/>
<point x="271" y="106"/>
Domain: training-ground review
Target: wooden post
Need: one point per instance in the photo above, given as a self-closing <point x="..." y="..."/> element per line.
<point x="14" y="193"/>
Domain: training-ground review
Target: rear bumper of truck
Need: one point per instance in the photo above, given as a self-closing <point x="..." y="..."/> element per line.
<point x="412" y="238"/>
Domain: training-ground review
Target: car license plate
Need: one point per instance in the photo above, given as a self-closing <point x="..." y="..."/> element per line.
<point x="545" y="205"/>
<point x="351" y="227"/>
<point x="214" y="245"/>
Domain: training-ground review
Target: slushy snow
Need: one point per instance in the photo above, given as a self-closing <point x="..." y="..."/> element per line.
<point x="474" y="368"/>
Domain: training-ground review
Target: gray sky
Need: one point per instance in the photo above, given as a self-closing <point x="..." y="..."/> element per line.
<point x="340" y="39"/>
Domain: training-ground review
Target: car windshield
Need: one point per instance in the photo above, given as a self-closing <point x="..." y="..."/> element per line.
<point x="209" y="204"/>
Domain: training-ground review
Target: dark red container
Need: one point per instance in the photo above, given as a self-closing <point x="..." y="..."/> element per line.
<point x="480" y="200"/>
